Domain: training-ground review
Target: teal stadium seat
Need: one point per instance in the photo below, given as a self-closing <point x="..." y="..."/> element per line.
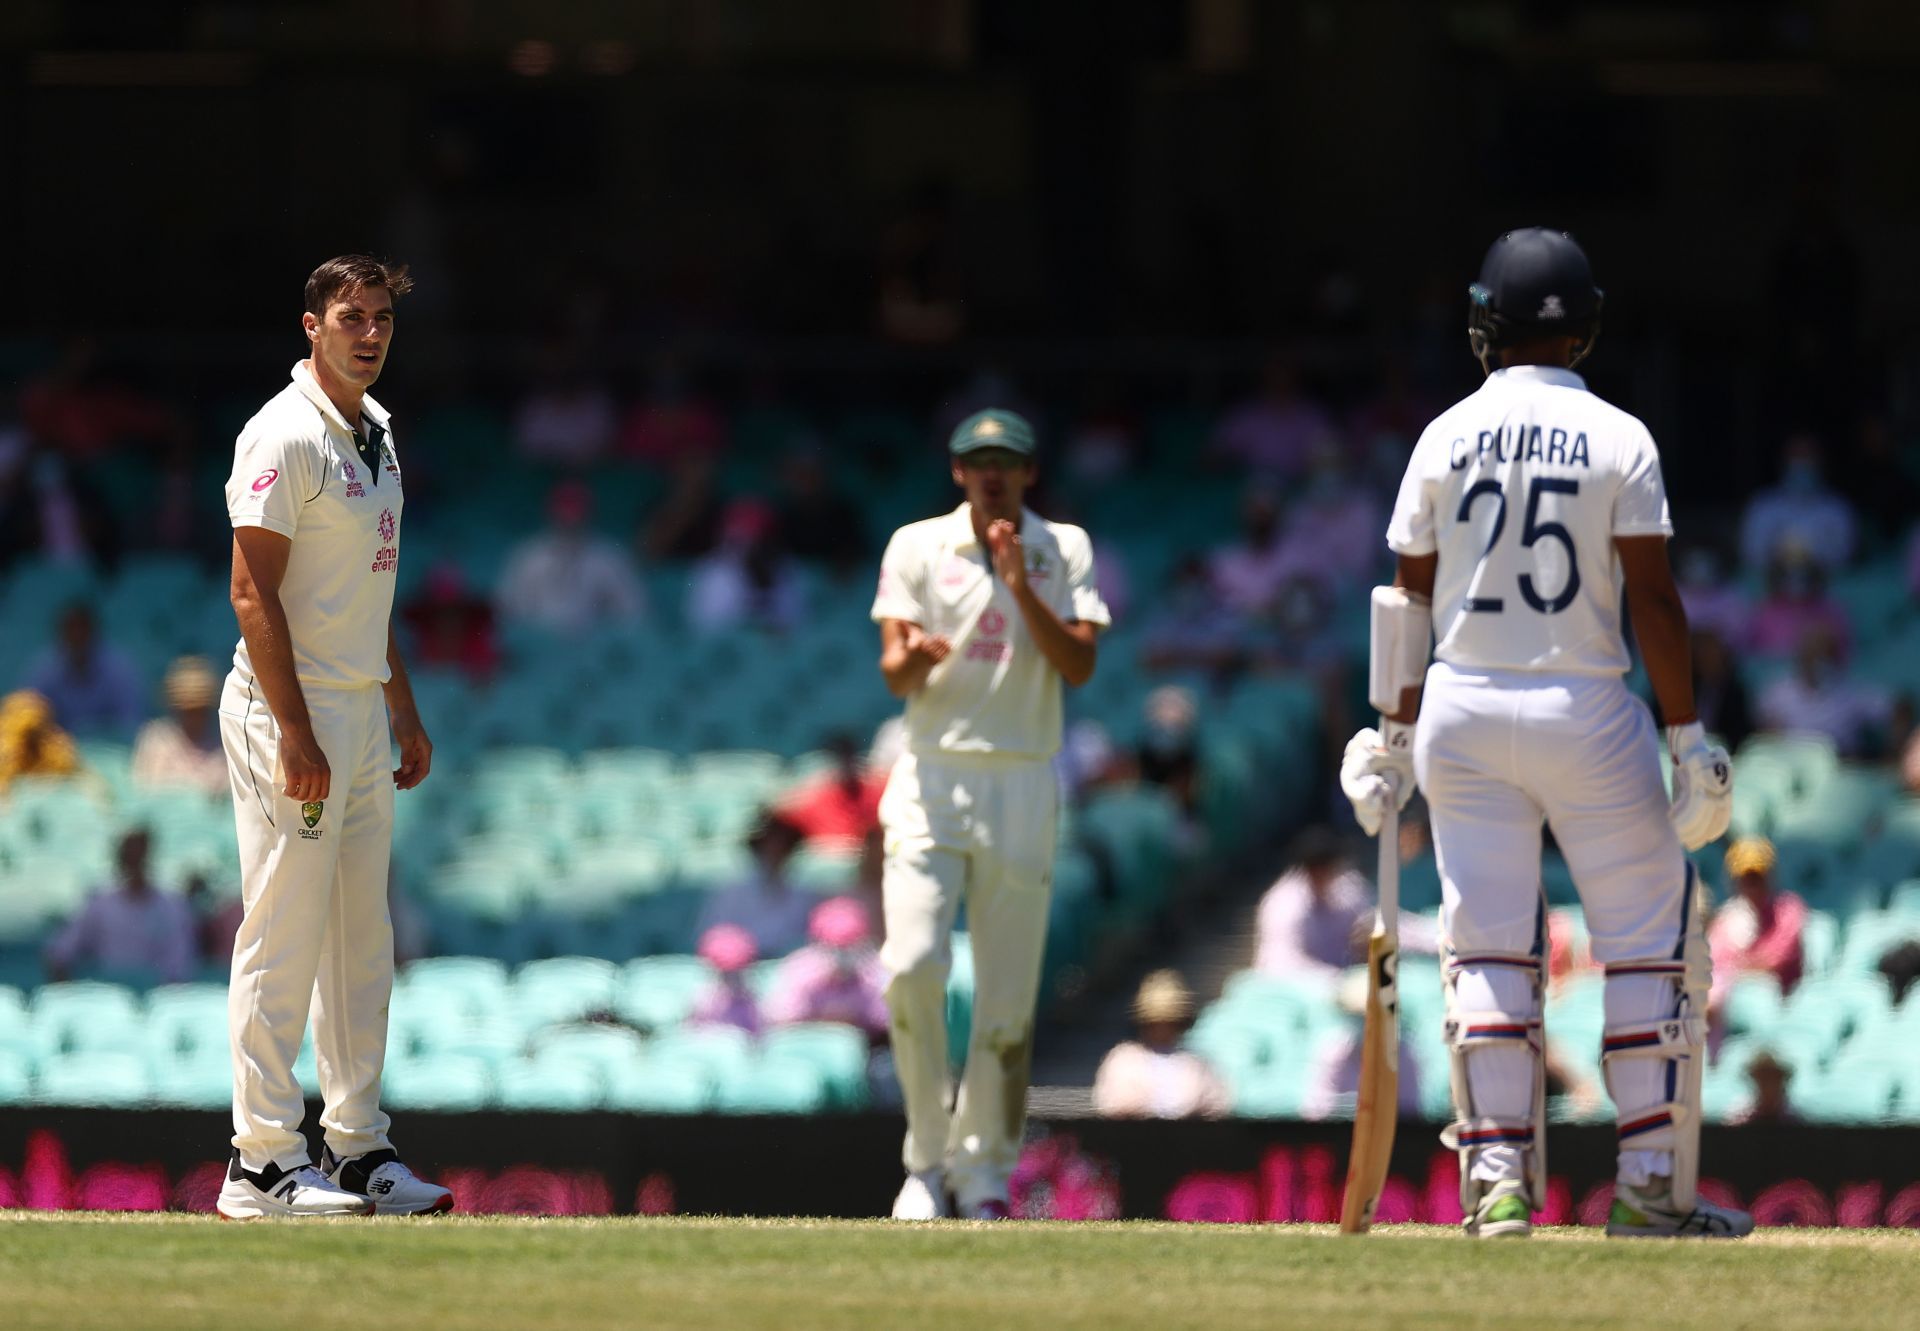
<point x="776" y="1085"/>
<point x="450" y="1083"/>
<point x="546" y="1085"/>
<point x="16" y="1078"/>
<point x="562" y="989"/>
<point x="87" y="1017"/>
<point x="838" y="1052"/>
<point x="657" y="993"/>
<point x="476" y="986"/>
<point x="107" y="1079"/>
<point x="663" y="1086"/>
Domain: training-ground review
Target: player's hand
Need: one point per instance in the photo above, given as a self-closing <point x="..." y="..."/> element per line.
<point x="1009" y="558"/>
<point x="1377" y="767"/>
<point x="416" y="752"/>
<point x="304" y="767"/>
<point x="1702" y="786"/>
<point x="929" y="647"/>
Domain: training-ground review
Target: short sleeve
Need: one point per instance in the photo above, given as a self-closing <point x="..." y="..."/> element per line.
<point x="274" y="476"/>
<point x="1410" y="531"/>
<point x="1640" y="506"/>
<point x="1084" y="603"/>
<point x="902" y="591"/>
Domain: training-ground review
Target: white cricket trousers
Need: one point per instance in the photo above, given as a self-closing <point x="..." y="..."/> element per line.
<point x="979" y="828"/>
<point x="1496" y="754"/>
<point x="316" y="940"/>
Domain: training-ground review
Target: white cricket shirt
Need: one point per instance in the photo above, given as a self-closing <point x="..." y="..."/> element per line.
<point x="995" y="693"/>
<point x="296" y="471"/>
<point x="1520" y="489"/>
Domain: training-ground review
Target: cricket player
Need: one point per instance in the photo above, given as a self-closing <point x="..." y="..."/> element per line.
<point x="316" y="700"/>
<point x="982" y="614"/>
<point x="1525" y="512"/>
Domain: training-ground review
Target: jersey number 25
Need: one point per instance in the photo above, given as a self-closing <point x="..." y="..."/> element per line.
<point x="1532" y="531"/>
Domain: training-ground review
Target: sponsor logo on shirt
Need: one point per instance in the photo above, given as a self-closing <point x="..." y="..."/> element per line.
<point x="310" y="814"/>
<point x="389" y="557"/>
<point x="955" y="571"/>
<point x="355" y="490"/>
<point x="991" y="647"/>
<point x="264" y="481"/>
<point x="1038" y="566"/>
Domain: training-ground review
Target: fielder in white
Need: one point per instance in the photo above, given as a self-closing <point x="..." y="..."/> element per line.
<point x="982" y="614"/>
<point x="315" y="501"/>
<point x="1526" y="510"/>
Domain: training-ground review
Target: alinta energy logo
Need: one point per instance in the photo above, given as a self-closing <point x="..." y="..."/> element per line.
<point x="387" y="524"/>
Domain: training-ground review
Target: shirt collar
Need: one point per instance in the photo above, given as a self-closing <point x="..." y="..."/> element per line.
<point x="310" y="388"/>
<point x="960" y="526"/>
<point x="1544" y="374"/>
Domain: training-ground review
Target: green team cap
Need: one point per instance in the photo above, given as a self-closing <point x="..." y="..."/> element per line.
<point x="992" y="428"/>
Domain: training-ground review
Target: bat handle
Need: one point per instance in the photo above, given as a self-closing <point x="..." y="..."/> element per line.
<point x="1387" y="876"/>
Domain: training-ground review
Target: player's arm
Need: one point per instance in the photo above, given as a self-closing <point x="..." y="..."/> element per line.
<point x="1071" y="648"/>
<point x="1702" y="773"/>
<point x="1414" y="575"/>
<point x="416" y="750"/>
<point x="1659" y="624"/>
<point x="908" y="655"/>
<point x="259" y="567"/>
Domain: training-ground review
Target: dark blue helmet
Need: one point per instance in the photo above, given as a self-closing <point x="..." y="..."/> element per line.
<point x="1535" y="282"/>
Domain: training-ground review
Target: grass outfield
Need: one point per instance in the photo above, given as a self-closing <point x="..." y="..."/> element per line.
<point x="130" y="1273"/>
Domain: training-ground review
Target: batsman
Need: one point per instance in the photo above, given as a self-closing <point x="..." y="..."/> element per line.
<point x="1527" y="511"/>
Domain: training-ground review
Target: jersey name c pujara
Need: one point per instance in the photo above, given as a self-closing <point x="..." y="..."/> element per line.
<point x="1521" y="443"/>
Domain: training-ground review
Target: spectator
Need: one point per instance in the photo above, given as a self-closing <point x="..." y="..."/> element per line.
<point x="1796" y="601"/>
<point x="1713" y="604"/>
<point x="182" y="749"/>
<point x="1276" y="432"/>
<point x="30" y="743"/>
<point x="451" y="626"/>
<point x="1332" y="528"/>
<point x="568" y="579"/>
<point x="766" y="905"/>
<point x="1103" y="443"/>
<point x="1333" y="1082"/>
<point x="921" y="296"/>
<point x="1719" y="694"/>
<point x="1801" y="510"/>
<point x="92" y="687"/>
<point x="729" y="1000"/>
<point x="1758" y="931"/>
<point x="817" y="521"/>
<point x="837" y="977"/>
<point x="132" y="931"/>
<point x="1769" y="1104"/>
<point x="1900" y="966"/>
<point x="685" y="524"/>
<point x="1310" y="921"/>
<point x="1151" y="1076"/>
<point x="1818" y="699"/>
<point x="748" y="581"/>
<point x="50" y="510"/>
<point x="1087" y="761"/>
<point x="568" y="419"/>
<point x="1170" y="755"/>
<point x="836" y="810"/>
<point x="1248" y="576"/>
<point x="1192" y="629"/>
<point x="672" y="423"/>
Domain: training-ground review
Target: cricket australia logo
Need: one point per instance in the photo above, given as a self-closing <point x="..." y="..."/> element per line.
<point x="1037" y="566"/>
<point x="310" y="814"/>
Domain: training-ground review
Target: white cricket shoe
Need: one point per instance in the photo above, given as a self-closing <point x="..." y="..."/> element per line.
<point x="390" y="1187"/>
<point x="1504" y="1213"/>
<point x="1649" y="1213"/>
<point x="274" y="1191"/>
<point x="923" y="1197"/>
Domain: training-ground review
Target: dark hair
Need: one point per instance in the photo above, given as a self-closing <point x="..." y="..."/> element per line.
<point x="1317" y="848"/>
<point x="349" y="274"/>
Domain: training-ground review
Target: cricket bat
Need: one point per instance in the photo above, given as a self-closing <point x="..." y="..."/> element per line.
<point x="1379" y="1102"/>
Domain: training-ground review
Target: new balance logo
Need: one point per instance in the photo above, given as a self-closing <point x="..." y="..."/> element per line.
<point x="380" y="1187"/>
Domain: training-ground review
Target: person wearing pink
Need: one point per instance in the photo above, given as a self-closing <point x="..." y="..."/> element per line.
<point x="837" y="977"/>
<point x="1759" y="929"/>
<point x="1796" y="604"/>
<point x="728" y="1001"/>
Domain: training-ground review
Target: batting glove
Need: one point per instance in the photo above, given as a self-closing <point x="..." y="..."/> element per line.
<point x="1702" y="786"/>
<point x="1377" y="767"/>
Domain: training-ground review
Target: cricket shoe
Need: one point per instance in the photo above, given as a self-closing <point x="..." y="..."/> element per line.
<point x="1649" y="1213"/>
<point x="923" y="1197"/>
<point x="392" y="1188"/>
<point x="1504" y="1213"/>
<point x="273" y="1191"/>
<point x="992" y="1208"/>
